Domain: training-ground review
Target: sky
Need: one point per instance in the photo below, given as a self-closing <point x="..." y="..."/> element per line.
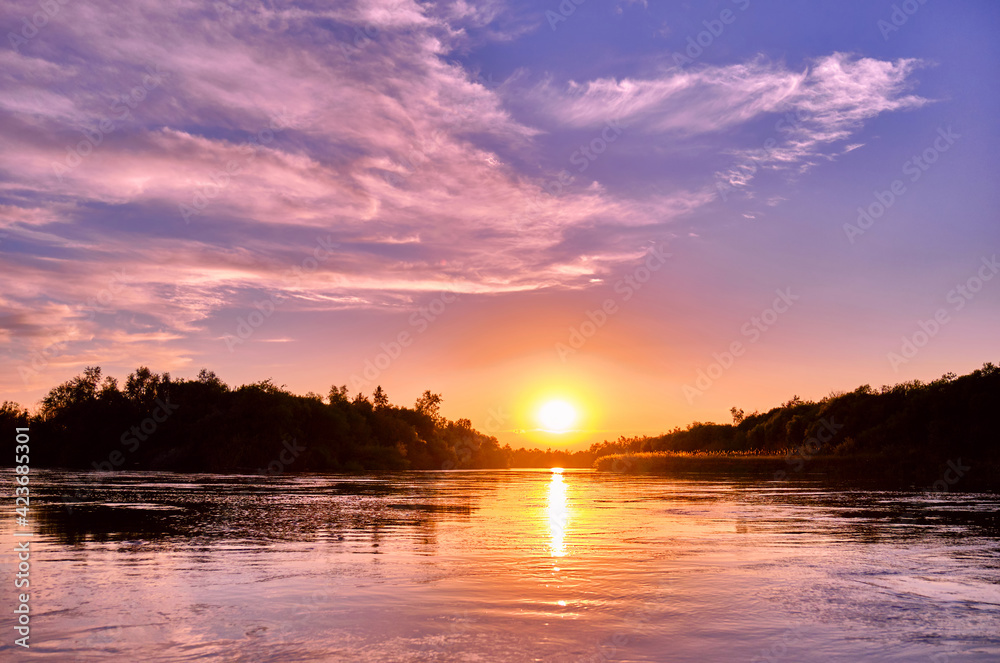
<point x="651" y="211"/>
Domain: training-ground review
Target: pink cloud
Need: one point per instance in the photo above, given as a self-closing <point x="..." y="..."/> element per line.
<point x="412" y="167"/>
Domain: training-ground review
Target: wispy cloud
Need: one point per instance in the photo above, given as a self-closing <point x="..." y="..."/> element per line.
<point x="374" y="138"/>
<point x="830" y="100"/>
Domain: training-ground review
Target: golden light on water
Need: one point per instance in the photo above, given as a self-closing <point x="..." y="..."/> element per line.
<point x="558" y="511"/>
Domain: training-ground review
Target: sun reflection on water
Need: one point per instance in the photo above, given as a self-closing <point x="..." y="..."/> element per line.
<point x="558" y="513"/>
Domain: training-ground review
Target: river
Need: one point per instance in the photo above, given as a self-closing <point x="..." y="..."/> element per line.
<point x="515" y="565"/>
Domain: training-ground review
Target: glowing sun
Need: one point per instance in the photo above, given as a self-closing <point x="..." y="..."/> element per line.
<point x="557" y="416"/>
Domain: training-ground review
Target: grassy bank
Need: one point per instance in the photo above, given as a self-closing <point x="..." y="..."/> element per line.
<point x="664" y="461"/>
<point x="870" y="471"/>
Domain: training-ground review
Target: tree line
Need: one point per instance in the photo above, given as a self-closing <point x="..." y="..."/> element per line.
<point x="948" y="417"/>
<point x="154" y="421"/>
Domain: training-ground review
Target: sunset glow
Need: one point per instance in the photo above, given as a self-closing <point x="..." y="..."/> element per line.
<point x="438" y="330"/>
<point x="557" y="416"/>
<point x="435" y="196"/>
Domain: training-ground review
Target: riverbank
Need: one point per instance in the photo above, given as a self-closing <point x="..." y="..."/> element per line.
<point x="945" y="475"/>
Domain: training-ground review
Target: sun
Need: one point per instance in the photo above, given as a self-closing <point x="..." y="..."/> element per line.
<point x="557" y="416"/>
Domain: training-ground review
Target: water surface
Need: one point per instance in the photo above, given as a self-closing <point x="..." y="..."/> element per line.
<point x="517" y="565"/>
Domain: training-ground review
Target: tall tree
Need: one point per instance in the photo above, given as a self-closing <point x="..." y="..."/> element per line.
<point x="379" y="399"/>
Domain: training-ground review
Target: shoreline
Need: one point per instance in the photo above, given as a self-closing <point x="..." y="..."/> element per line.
<point x="944" y="475"/>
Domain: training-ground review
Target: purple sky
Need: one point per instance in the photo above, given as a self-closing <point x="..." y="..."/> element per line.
<point x="288" y="190"/>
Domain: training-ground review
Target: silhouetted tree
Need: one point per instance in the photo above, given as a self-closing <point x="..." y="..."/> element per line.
<point x="429" y="404"/>
<point x="379" y="399"/>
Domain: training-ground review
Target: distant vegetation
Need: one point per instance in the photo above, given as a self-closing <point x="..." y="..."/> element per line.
<point x="942" y="431"/>
<point x="202" y="425"/>
<point x="911" y="429"/>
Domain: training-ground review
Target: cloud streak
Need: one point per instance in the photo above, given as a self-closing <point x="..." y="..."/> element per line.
<point x="347" y="122"/>
<point x="832" y="98"/>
